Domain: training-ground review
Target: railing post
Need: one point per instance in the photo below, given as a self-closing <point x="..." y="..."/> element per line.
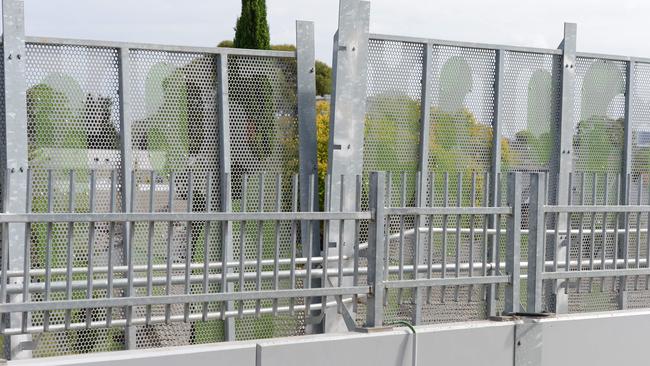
<point x="495" y="194"/>
<point x="426" y="98"/>
<point x="348" y="113"/>
<point x="536" y="242"/>
<point x="15" y="162"/>
<point x="513" y="246"/>
<point x="126" y="163"/>
<point x="564" y="156"/>
<point x="306" y="69"/>
<point x="626" y="170"/>
<point x="376" y="251"/>
<point x="225" y="189"/>
<point x="305" y="59"/>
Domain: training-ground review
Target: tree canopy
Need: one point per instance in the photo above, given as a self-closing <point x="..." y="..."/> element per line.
<point x="252" y="30"/>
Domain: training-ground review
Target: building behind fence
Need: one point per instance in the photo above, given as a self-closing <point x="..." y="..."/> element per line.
<point x="162" y="196"/>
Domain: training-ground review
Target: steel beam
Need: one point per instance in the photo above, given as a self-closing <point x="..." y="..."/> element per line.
<point x="15" y="162"/>
<point x="348" y="112"/>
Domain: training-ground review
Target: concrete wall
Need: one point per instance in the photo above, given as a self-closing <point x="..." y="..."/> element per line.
<point x="594" y="339"/>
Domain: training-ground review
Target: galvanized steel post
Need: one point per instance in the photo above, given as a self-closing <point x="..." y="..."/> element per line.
<point x="513" y="245"/>
<point x="426" y="98"/>
<point x="536" y="242"/>
<point x="126" y="163"/>
<point x="308" y="163"/>
<point x="348" y="112"/>
<point x="565" y="155"/>
<point x="495" y="171"/>
<point x="15" y="161"/>
<point x="626" y="170"/>
<point x="376" y="250"/>
<point x="225" y="181"/>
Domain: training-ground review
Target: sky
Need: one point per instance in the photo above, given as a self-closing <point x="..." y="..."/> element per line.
<point x="612" y="27"/>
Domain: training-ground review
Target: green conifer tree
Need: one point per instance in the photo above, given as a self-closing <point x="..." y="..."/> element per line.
<point x="252" y="30"/>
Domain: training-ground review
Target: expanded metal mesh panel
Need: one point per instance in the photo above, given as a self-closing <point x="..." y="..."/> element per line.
<point x="264" y="139"/>
<point x="73" y="124"/>
<point x="175" y="129"/>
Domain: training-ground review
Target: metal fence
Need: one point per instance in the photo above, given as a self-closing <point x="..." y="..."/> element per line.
<point x="163" y="195"/>
<point x="95" y="119"/>
<point x="432" y="106"/>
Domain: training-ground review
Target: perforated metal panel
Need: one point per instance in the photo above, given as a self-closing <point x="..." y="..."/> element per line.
<point x="598" y="148"/>
<point x="640" y="118"/>
<point x="598" y="115"/>
<point x="175" y="129"/>
<point x="392" y="134"/>
<point x="73" y="124"/>
<point x="460" y="141"/>
<point x="264" y="139"/>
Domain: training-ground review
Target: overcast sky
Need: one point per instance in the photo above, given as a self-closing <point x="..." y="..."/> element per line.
<point x="611" y="26"/>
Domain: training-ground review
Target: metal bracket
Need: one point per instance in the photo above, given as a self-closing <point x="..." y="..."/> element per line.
<point x="528" y="343"/>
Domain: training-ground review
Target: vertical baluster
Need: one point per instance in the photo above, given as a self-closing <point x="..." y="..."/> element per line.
<point x="459" y="203"/>
<point x="308" y="280"/>
<point x="188" y="245"/>
<point x="580" y="230"/>
<point x="48" y="251"/>
<point x="91" y="247"/>
<point x="276" y="260"/>
<point x="497" y="242"/>
<point x="637" y="254"/>
<point x="567" y="264"/>
<point x="603" y="254"/>
<point x="206" y="245"/>
<point x="401" y="238"/>
<point x="242" y="241"/>
<point x="486" y="219"/>
<point x="341" y="239"/>
<point x="430" y="244"/>
<point x="294" y="240"/>
<point x="70" y="246"/>
<point x="150" y="232"/>
<point x="111" y="244"/>
<point x="388" y="203"/>
<point x="472" y="221"/>
<point x="357" y="230"/>
<point x="260" y="241"/>
<point x="616" y="230"/>
<point x="27" y="251"/>
<point x="326" y="239"/>
<point x="170" y="235"/>
<point x="444" y="234"/>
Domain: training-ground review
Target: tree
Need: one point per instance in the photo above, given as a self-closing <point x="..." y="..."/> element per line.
<point x="252" y="30"/>
<point x="226" y="44"/>
<point x="323" y="79"/>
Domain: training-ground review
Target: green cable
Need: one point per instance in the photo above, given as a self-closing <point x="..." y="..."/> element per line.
<point x="406" y="324"/>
